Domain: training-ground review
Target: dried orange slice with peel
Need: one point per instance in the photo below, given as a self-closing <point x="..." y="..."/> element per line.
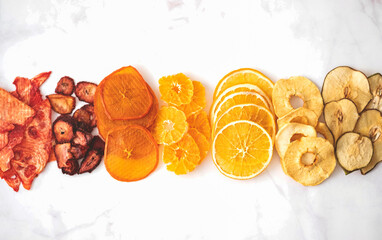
<point x="242" y="150"/>
<point x="176" y="89"/>
<point x="170" y="126"/>
<point x="243" y="76"/>
<point x="250" y="112"/>
<point x="198" y="101"/>
<point x="200" y="122"/>
<point x="125" y="95"/>
<point x="182" y="157"/>
<point x="201" y="141"/>
<point x="131" y="153"/>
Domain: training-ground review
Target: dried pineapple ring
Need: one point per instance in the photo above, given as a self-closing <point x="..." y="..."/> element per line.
<point x="298" y="162"/>
<point x="300" y="87"/>
<point x="299" y="115"/>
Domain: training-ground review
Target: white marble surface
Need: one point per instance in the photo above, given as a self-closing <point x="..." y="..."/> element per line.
<point x="205" y="39"/>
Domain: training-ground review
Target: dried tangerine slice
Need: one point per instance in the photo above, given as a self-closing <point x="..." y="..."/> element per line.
<point x="131" y="153"/>
<point x="200" y="122"/>
<point x="243" y="76"/>
<point x="170" y="126"/>
<point x="201" y="141"/>
<point x="198" y="101"/>
<point x="176" y="89"/>
<point x="125" y="95"/>
<point x="105" y="124"/>
<point x="182" y="157"/>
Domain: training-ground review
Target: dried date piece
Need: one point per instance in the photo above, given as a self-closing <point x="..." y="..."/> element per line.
<point x="62" y="104"/>
<point x="63" y="129"/>
<point x="65" y="86"/>
<point x="85" y="91"/>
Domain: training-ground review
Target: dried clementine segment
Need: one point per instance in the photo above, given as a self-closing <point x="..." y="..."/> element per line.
<point x="125" y="95"/>
<point x="170" y="126"/>
<point x="200" y="122"/>
<point x="201" y="141"/>
<point x="176" y="89"/>
<point x="198" y="101"/>
<point x="131" y="153"/>
<point x="183" y="156"/>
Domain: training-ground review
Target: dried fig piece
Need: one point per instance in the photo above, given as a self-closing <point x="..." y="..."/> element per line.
<point x="340" y="117"/>
<point x="63" y="129"/>
<point x="78" y="151"/>
<point x="299" y="115"/>
<point x="65" y="86"/>
<point x="85" y="118"/>
<point x="375" y="82"/>
<point x="72" y="167"/>
<point x="62" y="104"/>
<point x="370" y="125"/>
<point x="345" y="82"/>
<point x="85" y="91"/>
<point x="354" y="151"/>
<point x="91" y="161"/>
<point x="63" y="154"/>
<point x="322" y="129"/>
<point x="82" y="138"/>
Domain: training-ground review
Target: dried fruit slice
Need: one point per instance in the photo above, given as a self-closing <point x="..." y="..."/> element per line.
<point x="198" y="101"/>
<point x="340" y="117"/>
<point x="131" y="153"/>
<point x="125" y="95"/>
<point x="345" y="82"/>
<point x="65" y="86"/>
<point x="62" y="104"/>
<point x="309" y="160"/>
<point x="250" y="112"/>
<point x="322" y="129"/>
<point x="176" y="89"/>
<point x="243" y="76"/>
<point x="375" y="82"/>
<point x="182" y="157"/>
<point x="12" y="110"/>
<point x="300" y="87"/>
<point x="200" y="122"/>
<point x="85" y="91"/>
<point x="170" y="126"/>
<point x="354" y="151"/>
<point x="64" y="129"/>
<point x="292" y="132"/>
<point x="236" y="99"/>
<point x="299" y="115"/>
<point x="242" y="150"/>
<point x="370" y="124"/>
<point x="201" y="141"/>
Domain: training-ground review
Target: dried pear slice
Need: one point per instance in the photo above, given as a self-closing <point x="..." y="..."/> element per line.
<point x="370" y="124"/>
<point x="300" y="87"/>
<point x="340" y="117"/>
<point x="354" y="151"/>
<point x="309" y="160"/>
<point x="299" y="115"/>
<point x="375" y="82"/>
<point x="291" y="132"/>
<point x="345" y="82"/>
<point x="322" y="129"/>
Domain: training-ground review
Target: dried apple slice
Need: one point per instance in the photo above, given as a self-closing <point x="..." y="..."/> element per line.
<point x="370" y="124"/>
<point x="354" y="151"/>
<point x="322" y="129"/>
<point x="299" y="115"/>
<point x="340" y="117"/>
<point x="345" y="82"/>
<point x="375" y="82"/>
<point x="300" y="87"/>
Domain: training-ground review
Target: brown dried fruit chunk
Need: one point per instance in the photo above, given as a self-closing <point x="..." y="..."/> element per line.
<point x="78" y="151"/>
<point x="65" y="86"/>
<point x="71" y="168"/>
<point x="82" y="138"/>
<point x="63" y="129"/>
<point x="375" y="82"/>
<point x="85" y="91"/>
<point x="62" y="104"/>
<point x="85" y="118"/>
<point x="93" y="156"/>
<point x="299" y="115"/>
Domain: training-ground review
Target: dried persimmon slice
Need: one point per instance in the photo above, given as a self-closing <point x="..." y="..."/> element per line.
<point x="125" y="95"/>
<point x="131" y="153"/>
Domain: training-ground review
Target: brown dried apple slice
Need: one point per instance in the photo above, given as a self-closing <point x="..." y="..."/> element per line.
<point x="299" y="115"/>
<point x="375" y="82"/>
<point x="354" y="151"/>
<point x="300" y="87"/>
<point x="345" y="82"/>
<point x="370" y="124"/>
<point x="340" y="117"/>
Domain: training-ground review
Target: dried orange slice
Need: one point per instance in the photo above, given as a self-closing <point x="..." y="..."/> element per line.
<point x="243" y="76"/>
<point x="182" y="157"/>
<point x="125" y="95"/>
<point x="201" y="141"/>
<point x="176" y="89"/>
<point x="131" y="153"/>
<point x="250" y="112"/>
<point x="170" y="126"/>
<point x="105" y="124"/>
<point x="198" y="101"/>
<point x="242" y="149"/>
<point x="200" y="122"/>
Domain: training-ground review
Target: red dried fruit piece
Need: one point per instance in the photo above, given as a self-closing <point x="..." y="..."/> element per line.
<point x="85" y="118"/>
<point x="12" y="110"/>
<point x="78" y="151"/>
<point x="6" y="154"/>
<point x="85" y="91"/>
<point x="3" y="139"/>
<point x="11" y="178"/>
<point x="72" y="167"/>
<point x="65" y="86"/>
<point x="62" y="104"/>
<point x="63" y="154"/>
<point x="63" y="129"/>
<point x="6" y="126"/>
<point x="91" y="161"/>
<point x="82" y="138"/>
